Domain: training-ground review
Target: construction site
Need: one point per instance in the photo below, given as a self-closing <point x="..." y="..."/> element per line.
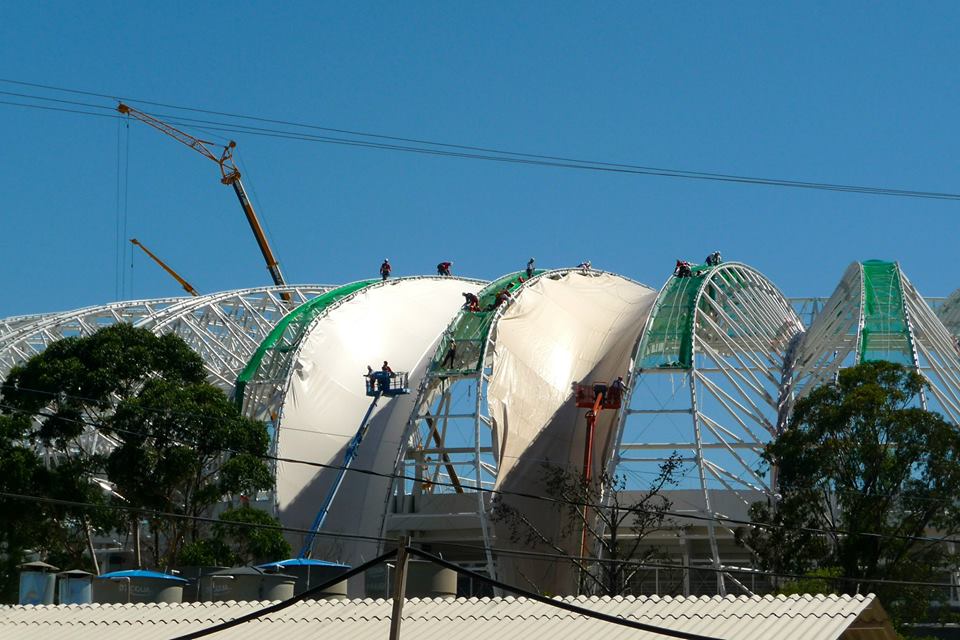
<point x="482" y="383"/>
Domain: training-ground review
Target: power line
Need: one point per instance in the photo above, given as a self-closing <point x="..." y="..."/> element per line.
<point x="170" y="515"/>
<point x="160" y="515"/>
<point x="445" y="149"/>
<point x="519" y="494"/>
<point x="711" y="569"/>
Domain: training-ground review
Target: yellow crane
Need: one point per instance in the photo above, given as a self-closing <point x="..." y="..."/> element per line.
<point x="230" y="175"/>
<point x="183" y="283"/>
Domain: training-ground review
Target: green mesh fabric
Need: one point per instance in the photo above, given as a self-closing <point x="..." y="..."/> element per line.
<point x="885" y="334"/>
<point x="668" y="341"/>
<point x="288" y="333"/>
<point x="471" y="327"/>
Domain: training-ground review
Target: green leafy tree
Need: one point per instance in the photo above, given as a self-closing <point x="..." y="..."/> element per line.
<point x="864" y="464"/>
<point x="134" y="408"/>
<point x="243" y="535"/>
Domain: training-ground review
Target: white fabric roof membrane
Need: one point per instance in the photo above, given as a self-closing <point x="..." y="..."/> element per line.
<point x="578" y="328"/>
<point x="400" y="321"/>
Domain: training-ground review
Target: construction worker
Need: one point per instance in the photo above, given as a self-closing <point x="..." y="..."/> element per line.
<point x="713" y="259"/>
<point x="472" y="302"/>
<point x="443" y="269"/>
<point x="451" y="355"/>
<point x="682" y="270"/>
<point x="615" y="390"/>
<point x="531" y="267"/>
<point x="385" y="268"/>
<point x="585" y="266"/>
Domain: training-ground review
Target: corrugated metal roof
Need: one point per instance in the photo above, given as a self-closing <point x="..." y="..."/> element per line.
<point x="731" y="618"/>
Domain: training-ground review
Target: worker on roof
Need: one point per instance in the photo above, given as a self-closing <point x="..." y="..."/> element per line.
<point x="385" y="268"/>
<point x="585" y="266"/>
<point x="713" y="259"/>
<point x="386" y="368"/>
<point x="472" y="302"/>
<point x="451" y="355"/>
<point x="443" y="269"/>
<point x="682" y="270"/>
<point x="531" y="266"/>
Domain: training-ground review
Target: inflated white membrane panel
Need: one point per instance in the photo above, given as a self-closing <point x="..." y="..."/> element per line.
<point x="401" y="322"/>
<point x="578" y="328"/>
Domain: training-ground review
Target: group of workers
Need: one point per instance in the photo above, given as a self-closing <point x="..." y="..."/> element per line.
<point x="443" y="268"/>
<point x="611" y="392"/>
<point x="380" y="379"/>
<point x="684" y="269"/>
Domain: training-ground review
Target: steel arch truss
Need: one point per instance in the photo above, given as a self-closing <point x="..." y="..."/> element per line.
<point x="224" y="328"/>
<point x="949" y="313"/>
<point x="709" y="386"/>
<point x="33" y="334"/>
<point x="450" y="445"/>
<point x="876" y="314"/>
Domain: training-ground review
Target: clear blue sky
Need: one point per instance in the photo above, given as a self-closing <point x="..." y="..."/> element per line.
<point x="861" y="93"/>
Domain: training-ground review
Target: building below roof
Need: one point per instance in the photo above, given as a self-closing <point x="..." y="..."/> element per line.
<point x="802" y="617"/>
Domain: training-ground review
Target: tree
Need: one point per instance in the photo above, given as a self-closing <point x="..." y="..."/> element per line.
<point x="243" y="535"/>
<point x="135" y="409"/>
<point x="640" y="514"/>
<point x="864" y="475"/>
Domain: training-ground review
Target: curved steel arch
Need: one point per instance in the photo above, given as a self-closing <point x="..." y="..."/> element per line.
<point x="224" y="328"/>
<point x="33" y="335"/>
<point x="875" y="313"/>
<point x="451" y="440"/>
<point x="710" y="384"/>
<point x="305" y="380"/>
<point x="949" y="313"/>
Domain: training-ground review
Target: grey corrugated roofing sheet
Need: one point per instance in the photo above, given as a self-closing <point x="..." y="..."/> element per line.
<point x="731" y="618"/>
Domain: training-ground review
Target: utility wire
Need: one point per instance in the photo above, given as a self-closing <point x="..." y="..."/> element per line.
<point x="280" y="606"/>
<point x="475" y="152"/>
<point x="170" y="515"/>
<point x="161" y="515"/>
<point x="560" y="604"/>
<point x="500" y="492"/>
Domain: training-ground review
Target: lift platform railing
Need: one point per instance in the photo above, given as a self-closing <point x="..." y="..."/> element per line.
<point x="585" y="395"/>
<point x="387" y="383"/>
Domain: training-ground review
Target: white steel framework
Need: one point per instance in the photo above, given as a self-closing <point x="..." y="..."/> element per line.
<point x="462" y="437"/>
<point x="875" y="313"/>
<point x="224" y="328"/>
<point x="710" y="386"/>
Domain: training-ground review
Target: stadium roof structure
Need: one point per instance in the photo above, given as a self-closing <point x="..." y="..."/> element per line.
<point x="714" y="363"/>
<point x="735" y="618"/>
<point x="307" y="381"/>
<point x="224" y="328"/>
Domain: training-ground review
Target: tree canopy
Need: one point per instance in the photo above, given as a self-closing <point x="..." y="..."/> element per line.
<point x="130" y="410"/>
<point x="867" y="480"/>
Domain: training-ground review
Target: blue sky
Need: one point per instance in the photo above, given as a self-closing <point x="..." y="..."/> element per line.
<point x="856" y="93"/>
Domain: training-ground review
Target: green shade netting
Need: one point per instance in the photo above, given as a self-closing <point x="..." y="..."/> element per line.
<point x="668" y="341"/>
<point x="289" y="331"/>
<point x="471" y="327"/>
<point x="885" y="335"/>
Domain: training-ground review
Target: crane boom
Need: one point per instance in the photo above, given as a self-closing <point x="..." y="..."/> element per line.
<point x="183" y="283"/>
<point x="230" y="175"/>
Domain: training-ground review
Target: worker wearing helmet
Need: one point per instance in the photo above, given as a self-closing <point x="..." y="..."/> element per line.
<point x="385" y="268"/>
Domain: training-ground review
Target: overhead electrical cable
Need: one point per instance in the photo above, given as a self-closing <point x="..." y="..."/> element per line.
<point x="446" y="149"/>
<point x="715" y="518"/>
<point x="161" y="515"/>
